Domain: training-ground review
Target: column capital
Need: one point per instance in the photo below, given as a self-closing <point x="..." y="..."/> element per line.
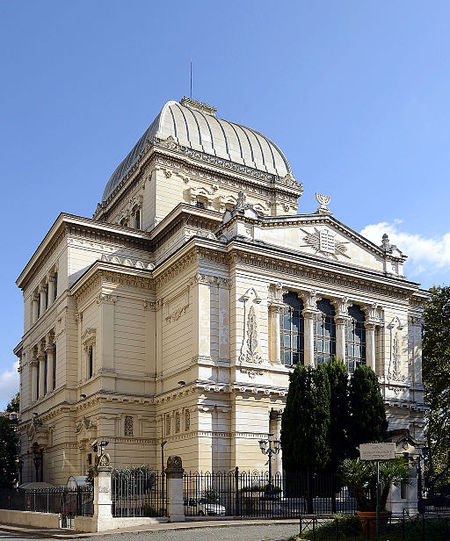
<point x="309" y="298"/>
<point x="275" y="306"/>
<point x="370" y="325"/>
<point x="341" y="319"/>
<point x="42" y="288"/>
<point x="341" y="306"/>
<point x="50" y="277"/>
<point x="310" y="313"/>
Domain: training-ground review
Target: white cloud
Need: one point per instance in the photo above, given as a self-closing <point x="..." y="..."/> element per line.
<point x="425" y="255"/>
<point x="9" y="384"/>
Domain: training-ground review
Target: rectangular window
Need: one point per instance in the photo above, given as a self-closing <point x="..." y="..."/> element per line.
<point x="292" y="331"/>
<point x="138" y="219"/>
<point x="90" y="362"/>
<point x="54" y="366"/>
<point x="325" y="332"/>
<point x="46" y="296"/>
<point x="55" y="293"/>
<point x="39" y="304"/>
<point x="45" y="372"/>
<point x="38" y="375"/>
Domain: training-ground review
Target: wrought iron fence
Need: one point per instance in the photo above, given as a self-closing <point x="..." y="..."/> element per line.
<point x="139" y="494"/>
<point x="253" y="494"/>
<point x="400" y="528"/>
<point x="60" y="500"/>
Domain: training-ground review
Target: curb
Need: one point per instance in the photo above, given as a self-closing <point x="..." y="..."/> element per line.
<point x="164" y="528"/>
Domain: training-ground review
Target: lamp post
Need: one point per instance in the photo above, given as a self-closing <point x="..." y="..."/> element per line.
<point x="163" y="443"/>
<point x="270" y="447"/>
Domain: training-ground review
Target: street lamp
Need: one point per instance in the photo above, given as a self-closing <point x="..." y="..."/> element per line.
<point x="270" y="447"/>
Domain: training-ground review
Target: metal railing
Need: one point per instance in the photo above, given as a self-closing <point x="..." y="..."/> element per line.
<point x="253" y="494"/>
<point x="60" y="500"/>
<point x="139" y="494"/>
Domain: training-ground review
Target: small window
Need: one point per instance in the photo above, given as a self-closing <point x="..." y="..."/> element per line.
<point x="39" y="304"/>
<point x="46" y="296"/>
<point x="177" y="422"/>
<point x="168" y="425"/>
<point x="38" y="375"/>
<point x="200" y="204"/>
<point x="89" y="459"/>
<point x="187" y="420"/>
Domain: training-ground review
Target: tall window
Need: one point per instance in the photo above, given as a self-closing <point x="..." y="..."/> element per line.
<point x="355" y="343"/>
<point x="325" y="336"/>
<point x="39" y="304"/>
<point x="54" y="366"/>
<point x="45" y="372"/>
<point x="46" y="296"/>
<point x="56" y="286"/>
<point x="138" y="219"/>
<point x="38" y="375"/>
<point x="90" y="361"/>
<point x="292" y="330"/>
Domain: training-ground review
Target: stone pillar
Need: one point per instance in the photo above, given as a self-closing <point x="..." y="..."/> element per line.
<point x="106" y="339"/>
<point x="34" y="308"/>
<point x="41" y="360"/>
<point x="275" y="333"/>
<point x="309" y="318"/>
<point x="42" y="292"/>
<point x="341" y="320"/>
<point x="201" y="284"/>
<point x="275" y="428"/>
<point x="174" y="476"/>
<point x="51" y="289"/>
<point x="33" y="367"/>
<point x="102" y="498"/>
<point x="370" y="345"/>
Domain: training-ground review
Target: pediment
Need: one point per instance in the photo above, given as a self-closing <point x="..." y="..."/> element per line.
<point x="324" y="238"/>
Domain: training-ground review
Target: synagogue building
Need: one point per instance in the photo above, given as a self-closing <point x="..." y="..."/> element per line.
<point x="176" y="313"/>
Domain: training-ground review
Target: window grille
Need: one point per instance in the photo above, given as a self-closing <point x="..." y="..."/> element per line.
<point x="355" y="343"/>
<point x="292" y="330"/>
<point x="168" y="427"/>
<point x="325" y="335"/>
<point x="128" y="425"/>
<point x="187" y="420"/>
<point x="177" y="422"/>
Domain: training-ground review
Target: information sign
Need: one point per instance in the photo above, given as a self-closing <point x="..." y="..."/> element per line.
<point x="377" y="451"/>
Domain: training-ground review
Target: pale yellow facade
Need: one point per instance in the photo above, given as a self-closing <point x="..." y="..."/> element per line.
<point x="160" y="318"/>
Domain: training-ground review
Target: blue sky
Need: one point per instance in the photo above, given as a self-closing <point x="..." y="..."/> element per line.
<point x="355" y="93"/>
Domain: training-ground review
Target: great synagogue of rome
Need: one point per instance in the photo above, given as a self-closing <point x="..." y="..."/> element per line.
<point x="177" y="312"/>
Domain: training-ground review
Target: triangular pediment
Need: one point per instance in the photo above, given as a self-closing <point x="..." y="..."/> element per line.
<point x="323" y="237"/>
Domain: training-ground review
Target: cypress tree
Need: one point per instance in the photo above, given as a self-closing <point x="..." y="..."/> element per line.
<point x="339" y="413"/>
<point x="305" y="421"/>
<point x="368" y="423"/>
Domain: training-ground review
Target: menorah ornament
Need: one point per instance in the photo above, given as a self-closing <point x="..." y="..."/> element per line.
<point x="323" y="201"/>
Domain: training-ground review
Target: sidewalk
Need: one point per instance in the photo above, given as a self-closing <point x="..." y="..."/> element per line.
<point x="167" y="526"/>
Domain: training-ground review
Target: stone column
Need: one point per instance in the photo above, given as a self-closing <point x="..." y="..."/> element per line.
<point x="309" y="318"/>
<point x="42" y="297"/>
<point x="175" y="502"/>
<point x="275" y="332"/>
<point x="33" y="367"/>
<point x="102" y="498"/>
<point x="41" y="360"/>
<point x="275" y="428"/>
<point x="51" y="289"/>
<point x="341" y="320"/>
<point x="370" y="345"/>
<point x="34" y="308"/>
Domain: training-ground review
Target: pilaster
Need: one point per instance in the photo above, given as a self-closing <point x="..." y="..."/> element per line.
<point x="341" y="320"/>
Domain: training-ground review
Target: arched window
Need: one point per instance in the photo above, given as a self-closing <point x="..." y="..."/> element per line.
<point x="292" y="330"/>
<point x="355" y="343"/>
<point x="325" y="336"/>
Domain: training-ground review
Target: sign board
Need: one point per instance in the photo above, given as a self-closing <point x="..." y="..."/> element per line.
<point x="377" y="451"/>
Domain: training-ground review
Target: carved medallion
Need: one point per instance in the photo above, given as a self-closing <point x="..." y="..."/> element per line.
<point x="324" y="242"/>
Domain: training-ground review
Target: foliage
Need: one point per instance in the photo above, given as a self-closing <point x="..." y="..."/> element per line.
<point x="211" y="496"/>
<point x="339" y="413"/>
<point x="340" y="527"/>
<point x="9" y="453"/>
<point x="14" y="404"/>
<point x="436" y="378"/>
<point x="361" y="476"/>
<point x="305" y="421"/>
<point x="368" y="423"/>
<point x="260" y="488"/>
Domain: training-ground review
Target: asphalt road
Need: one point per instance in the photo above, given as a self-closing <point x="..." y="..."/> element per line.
<point x="263" y="532"/>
